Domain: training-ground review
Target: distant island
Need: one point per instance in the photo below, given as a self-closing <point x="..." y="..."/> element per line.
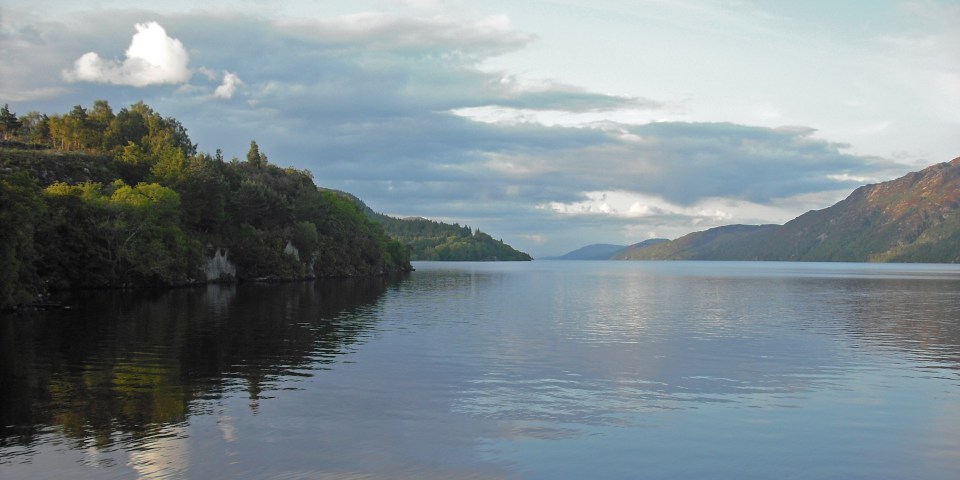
<point x="915" y="218"/>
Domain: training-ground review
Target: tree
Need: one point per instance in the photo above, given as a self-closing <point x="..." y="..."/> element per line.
<point x="127" y="126"/>
<point x="58" y="134"/>
<point x="99" y="120"/>
<point x="202" y="187"/>
<point x="126" y="234"/>
<point x="81" y="129"/>
<point x="156" y="248"/>
<point x="8" y="122"/>
<point x="143" y="126"/>
<point x="35" y="128"/>
<point x="133" y="155"/>
<point x="171" y="166"/>
<point x="254" y="157"/>
<point x="101" y="113"/>
<point x="70" y="131"/>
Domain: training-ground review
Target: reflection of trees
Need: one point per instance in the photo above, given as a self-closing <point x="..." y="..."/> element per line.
<point x="132" y="362"/>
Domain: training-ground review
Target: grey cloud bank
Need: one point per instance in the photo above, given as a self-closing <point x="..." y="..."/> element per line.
<point x="373" y="103"/>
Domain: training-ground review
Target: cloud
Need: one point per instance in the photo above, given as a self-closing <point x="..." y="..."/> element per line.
<point x="400" y="111"/>
<point x="229" y="86"/>
<point x="152" y="58"/>
<point x="404" y="129"/>
<point x="537" y="239"/>
<point x="629" y="206"/>
<point x="449" y="37"/>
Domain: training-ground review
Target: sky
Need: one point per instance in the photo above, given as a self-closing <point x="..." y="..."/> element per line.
<point x="550" y="124"/>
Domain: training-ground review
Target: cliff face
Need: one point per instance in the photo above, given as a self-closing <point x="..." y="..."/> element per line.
<point x="915" y="218"/>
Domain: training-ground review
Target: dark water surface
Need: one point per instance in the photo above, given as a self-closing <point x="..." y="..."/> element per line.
<point x="498" y="370"/>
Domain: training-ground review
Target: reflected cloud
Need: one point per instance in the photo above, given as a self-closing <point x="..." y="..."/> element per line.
<point x="167" y="455"/>
<point x="454" y="369"/>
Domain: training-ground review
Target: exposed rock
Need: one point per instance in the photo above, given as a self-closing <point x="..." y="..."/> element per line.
<point x="219" y="268"/>
<point x="291" y="250"/>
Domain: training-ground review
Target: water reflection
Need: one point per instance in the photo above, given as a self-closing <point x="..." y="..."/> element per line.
<point x="920" y="318"/>
<point x="608" y="347"/>
<point x="124" y="370"/>
<point x="542" y="370"/>
<point x="835" y="363"/>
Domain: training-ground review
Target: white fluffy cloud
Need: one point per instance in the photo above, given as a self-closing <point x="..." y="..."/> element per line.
<point x="229" y="86"/>
<point x="152" y="58"/>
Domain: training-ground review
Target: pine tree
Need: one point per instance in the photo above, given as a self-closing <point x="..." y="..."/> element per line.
<point x="9" y="124"/>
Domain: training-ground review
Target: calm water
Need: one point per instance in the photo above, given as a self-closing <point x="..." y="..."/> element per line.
<point x="498" y="370"/>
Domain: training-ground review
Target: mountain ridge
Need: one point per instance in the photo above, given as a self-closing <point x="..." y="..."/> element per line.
<point x="596" y="251"/>
<point x="913" y="218"/>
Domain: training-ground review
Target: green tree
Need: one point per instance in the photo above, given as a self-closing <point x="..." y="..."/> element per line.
<point x="81" y="130"/>
<point x="98" y="121"/>
<point x="72" y="237"/>
<point x="126" y="235"/>
<point x="202" y="186"/>
<point x="128" y="126"/>
<point x="254" y="157"/>
<point x="171" y="166"/>
<point x="35" y="128"/>
<point x="146" y="233"/>
<point x="146" y="128"/>
<point x="9" y="124"/>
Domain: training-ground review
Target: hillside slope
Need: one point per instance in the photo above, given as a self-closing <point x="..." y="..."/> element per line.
<point x="720" y="243"/>
<point x="915" y="218"/>
<point x="597" y="251"/>
<point x="432" y="240"/>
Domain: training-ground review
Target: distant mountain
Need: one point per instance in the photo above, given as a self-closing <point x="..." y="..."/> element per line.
<point x="597" y="251"/>
<point x="915" y="218"/>
<point x="432" y="240"/>
<point x="720" y="243"/>
<point x="603" y="251"/>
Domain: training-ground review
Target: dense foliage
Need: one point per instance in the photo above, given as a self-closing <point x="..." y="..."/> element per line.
<point x="432" y="240"/>
<point x="97" y="199"/>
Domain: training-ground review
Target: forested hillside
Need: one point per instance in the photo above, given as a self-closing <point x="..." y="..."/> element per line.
<point x="432" y="240"/>
<point x="94" y="198"/>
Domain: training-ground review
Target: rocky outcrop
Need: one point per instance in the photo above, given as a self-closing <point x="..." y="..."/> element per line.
<point x="291" y="250"/>
<point x="220" y="268"/>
